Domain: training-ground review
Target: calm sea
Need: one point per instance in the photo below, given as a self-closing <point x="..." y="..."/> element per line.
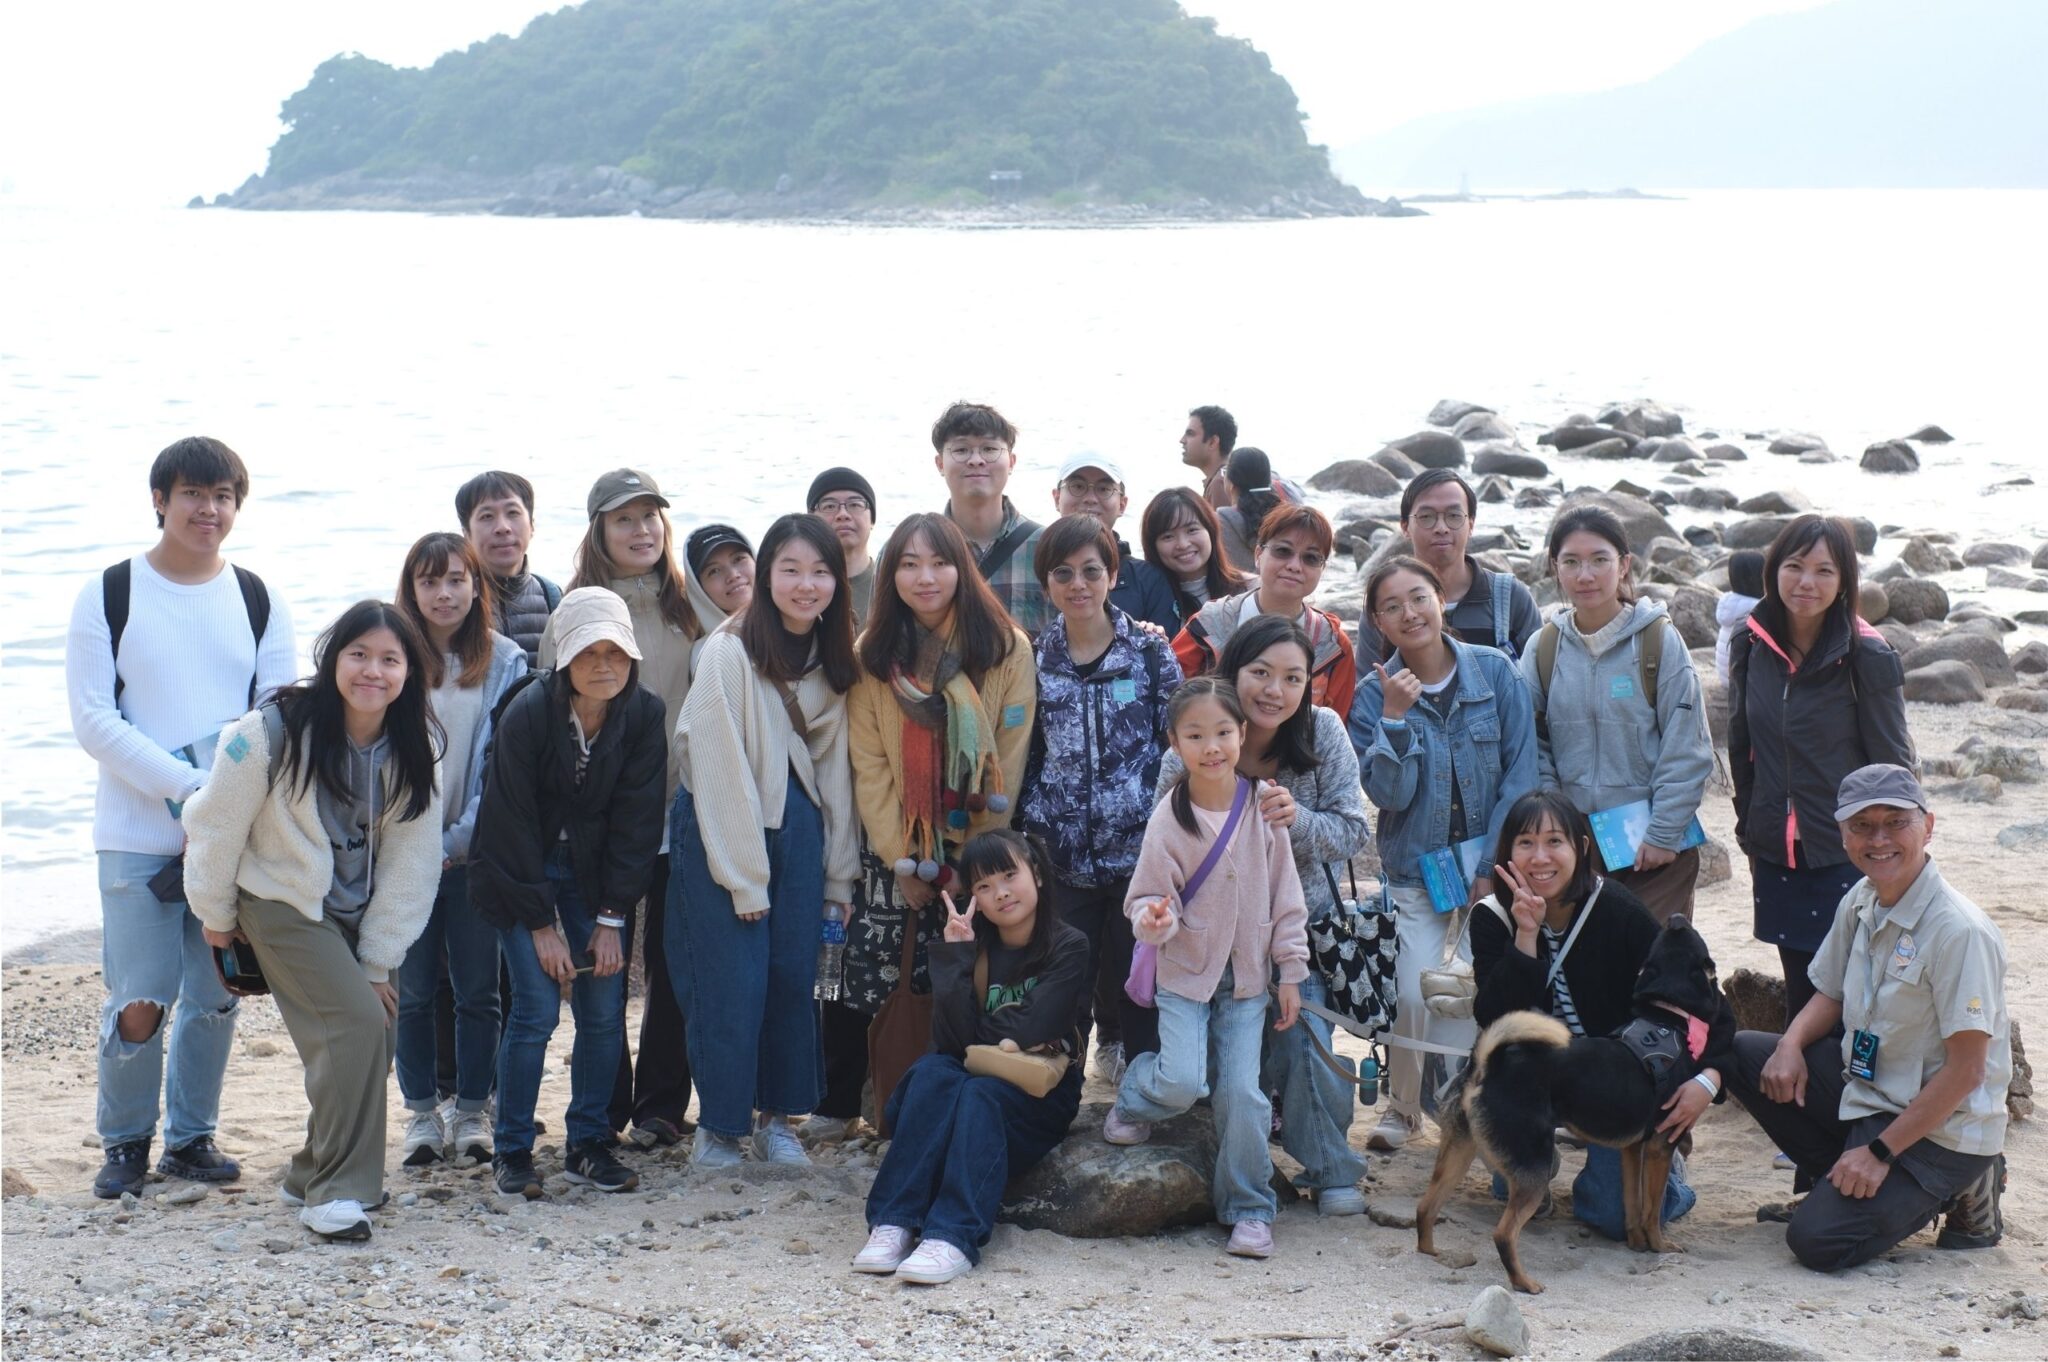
<point x="365" y="364"/>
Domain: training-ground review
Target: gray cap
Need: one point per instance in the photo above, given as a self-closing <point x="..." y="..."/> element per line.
<point x="620" y="486"/>
<point x="1883" y="783"/>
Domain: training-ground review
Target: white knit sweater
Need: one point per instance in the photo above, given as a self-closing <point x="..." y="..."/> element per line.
<point x="247" y="834"/>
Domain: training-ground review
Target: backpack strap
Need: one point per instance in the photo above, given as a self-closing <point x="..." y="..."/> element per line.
<point x="549" y="592"/>
<point x="1004" y="549"/>
<point x="117" y="582"/>
<point x="1546" y="667"/>
<point x="1500" y="586"/>
<point x="256" y="602"/>
<point x="1649" y="661"/>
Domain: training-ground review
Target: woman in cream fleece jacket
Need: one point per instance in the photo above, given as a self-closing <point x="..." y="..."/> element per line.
<point x="762" y="836"/>
<point x="318" y="841"/>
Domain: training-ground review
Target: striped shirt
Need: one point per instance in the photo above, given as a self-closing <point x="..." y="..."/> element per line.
<point x="1561" y="1005"/>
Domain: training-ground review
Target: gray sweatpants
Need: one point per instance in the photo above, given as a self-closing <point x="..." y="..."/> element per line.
<point x="338" y="1024"/>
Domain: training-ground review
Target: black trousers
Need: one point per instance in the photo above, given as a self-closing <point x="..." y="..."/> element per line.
<point x="1830" y="1231"/>
<point x="843" y="1033"/>
<point x="1099" y="914"/>
<point x="657" y="1084"/>
<point x="1799" y="989"/>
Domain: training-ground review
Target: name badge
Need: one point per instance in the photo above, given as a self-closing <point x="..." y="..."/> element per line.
<point x="1621" y="688"/>
<point x="1013" y="716"/>
<point x="1863" y="1056"/>
<point x="1123" y="690"/>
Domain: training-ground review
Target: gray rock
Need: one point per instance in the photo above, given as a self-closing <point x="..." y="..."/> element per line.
<point x="1494" y="489"/>
<point x="1986" y="654"/>
<point x="1495" y="1323"/>
<point x="1757" y="999"/>
<point x="1891" y="456"/>
<point x="1788" y="502"/>
<point x="1616" y="448"/>
<point x="2018" y="765"/>
<point x="1509" y="463"/>
<point x="1640" y="519"/>
<point x="1692" y="610"/>
<point x="1715" y="865"/>
<point x="1482" y="425"/>
<point x="1709" y="1345"/>
<point x="1727" y="454"/>
<point x="1450" y="411"/>
<point x="1991" y="553"/>
<point x="1817" y="456"/>
<point x="1794" y="442"/>
<point x="2038" y="618"/>
<point x="1536" y="496"/>
<point x="1873" y="602"/>
<point x="191" y="1194"/>
<point x="1979" y="790"/>
<point x="1754" y="533"/>
<point x="1914" y="600"/>
<point x="1393" y="1213"/>
<point x="1714" y="700"/>
<point x="1578" y="437"/>
<point x="1931" y="435"/>
<point x="2031" y="659"/>
<point x="1865" y="531"/>
<point x="1945" y="683"/>
<point x="1673" y="450"/>
<point x="2007" y="579"/>
<point x="1644" y="418"/>
<point x="2024" y="837"/>
<point x="1925" y="556"/>
<point x="1432" y="449"/>
<point x="1397" y="463"/>
<point x="1707" y="498"/>
<point x="1089" y="1189"/>
<point x="2040" y="559"/>
<point x="1361" y="476"/>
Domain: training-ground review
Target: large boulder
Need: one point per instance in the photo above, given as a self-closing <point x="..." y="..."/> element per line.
<point x="1692" y="610"/>
<point x="2041" y="557"/>
<point x="1727" y="454"/>
<point x="1710" y="1345"/>
<point x="2013" y="765"/>
<point x="1508" y="462"/>
<point x="1431" y="449"/>
<point x="1674" y="449"/>
<point x="1616" y="448"/>
<point x="1945" y="683"/>
<point x="1787" y="502"/>
<point x="2031" y="659"/>
<point x="1924" y="555"/>
<point x="1644" y="418"/>
<point x="1931" y="435"/>
<point x="1089" y="1189"/>
<point x="1873" y="602"/>
<point x="1991" y="553"/>
<point x="1449" y="411"/>
<point x="1794" y="442"/>
<point x="1757" y="999"/>
<point x="1890" y="456"/>
<point x="1865" y="531"/>
<point x="1707" y="498"/>
<point x="1986" y="654"/>
<point x="2007" y="579"/>
<point x="1361" y="476"/>
<point x="1755" y="533"/>
<point x="1397" y="463"/>
<point x="1482" y="425"/>
<point x="1578" y="437"/>
<point x="1642" y="521"/>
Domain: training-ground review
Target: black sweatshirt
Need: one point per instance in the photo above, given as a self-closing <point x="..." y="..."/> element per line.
<point x="1042" y="1008"/>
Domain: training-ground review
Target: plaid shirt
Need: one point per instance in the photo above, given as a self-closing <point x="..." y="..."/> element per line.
<point x="1014" y="582"/>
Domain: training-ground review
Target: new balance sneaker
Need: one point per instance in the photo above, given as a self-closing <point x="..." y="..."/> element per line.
<point x="469" y="1137"/>
<point x="594" y="1165"/>
<point x="515" y="1176"/>
<point x="932" y="1263"/>
<point x="1973" y="1220"/>
<point x="337" y="1220"/>
<point x="887" y="1247"/>
<point x="710" y="1150"/>
<point x="1117" y="1129"/>
<point x="1394" y="1130"/>
<point x="126" y="1169"/>
<point x="198" y="1161"/>
<point x="775" y="1142"/>
<point x="424" y="1137"/>
<point x="1250" y="1239"/>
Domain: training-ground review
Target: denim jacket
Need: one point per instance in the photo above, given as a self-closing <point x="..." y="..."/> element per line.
<point x="1096" y="751"/>
<point x="1490" y="738"/>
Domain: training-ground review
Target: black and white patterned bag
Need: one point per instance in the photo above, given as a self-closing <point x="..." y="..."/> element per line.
<point x="1354" y="949"/>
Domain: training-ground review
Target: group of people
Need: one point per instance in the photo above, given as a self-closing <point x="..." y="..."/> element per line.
<point x="1057" y="788"/>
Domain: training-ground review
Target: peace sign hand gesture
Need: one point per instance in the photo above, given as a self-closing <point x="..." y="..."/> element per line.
<point x="1528" y="908"/>
<point x="1401" y="691"/>
<point x="959" y="922"/>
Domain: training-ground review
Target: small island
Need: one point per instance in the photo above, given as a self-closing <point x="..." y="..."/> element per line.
<point x="867" y="110"/>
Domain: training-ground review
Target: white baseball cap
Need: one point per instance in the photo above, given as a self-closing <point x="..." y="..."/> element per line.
<point x="1088" y="459"/>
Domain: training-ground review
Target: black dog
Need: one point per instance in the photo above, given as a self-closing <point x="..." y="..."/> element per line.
<point x="1530" y="1075"/>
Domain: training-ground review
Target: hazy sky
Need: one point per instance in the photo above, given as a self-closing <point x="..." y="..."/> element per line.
<point x="142" y="101"/>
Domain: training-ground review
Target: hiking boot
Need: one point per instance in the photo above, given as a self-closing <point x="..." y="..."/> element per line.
<point x="887" y="1247"/>
<point x="712" y="1150"/>
<point x="469" y="1137"/>
<point x="594" y="1165"/>
<point x="424" y="1136"/>
<point x="1973" y="1220"/>
<point x="515" y="1176"/>
<point x="342" y="1221"/>
<point x="125" y="1170"/>
<point x="932" y="1263"/>
<point x="198" y="1161"/>
<point x="1394" y="1130"/>
<point x="1119" y="1129"/>
<point x="775" y="1142"/>
<point x="1250" y="1239"/>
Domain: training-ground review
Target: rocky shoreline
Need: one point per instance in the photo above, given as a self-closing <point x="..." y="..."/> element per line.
<point x="609" y="191"/>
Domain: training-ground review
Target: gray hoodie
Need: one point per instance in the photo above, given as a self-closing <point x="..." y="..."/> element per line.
<point x="708" y="615"/>
<point x="1605" y="748"/>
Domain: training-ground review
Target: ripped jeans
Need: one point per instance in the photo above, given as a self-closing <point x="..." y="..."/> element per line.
<point x="153" y="952"/>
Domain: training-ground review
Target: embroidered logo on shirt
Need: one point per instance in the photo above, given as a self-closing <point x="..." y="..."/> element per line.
<point x="1976" y="1007"/>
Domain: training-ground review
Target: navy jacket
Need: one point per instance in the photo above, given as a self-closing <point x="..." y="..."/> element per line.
<point x="1143" y="592"/>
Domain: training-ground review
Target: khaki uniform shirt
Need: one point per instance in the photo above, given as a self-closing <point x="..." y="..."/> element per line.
<point x="1914" y="974"/>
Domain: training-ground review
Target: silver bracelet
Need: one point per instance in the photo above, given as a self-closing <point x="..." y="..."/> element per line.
<point x="618" y="923"/>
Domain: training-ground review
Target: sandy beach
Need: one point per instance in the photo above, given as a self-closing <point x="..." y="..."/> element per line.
<point x="755" y="1263"/>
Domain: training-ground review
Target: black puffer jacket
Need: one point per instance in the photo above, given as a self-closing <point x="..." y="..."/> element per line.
<point x="530" y="798"/>
<point x="1793" y="735"/>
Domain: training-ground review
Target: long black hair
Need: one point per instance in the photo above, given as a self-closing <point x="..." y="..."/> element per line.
<point x="316" y="738"/>
<point x="1294" y="742"/>
<point x="993" y="852"/>
<point x="1795" y="539"/>
<point x="768" y="641"/>
<point x="1210" y="687"/>
<point x="983" y="631"/>
<point x="1531" y="811"/>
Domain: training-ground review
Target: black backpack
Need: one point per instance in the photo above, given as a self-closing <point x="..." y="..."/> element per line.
<point x="114" y="589"/>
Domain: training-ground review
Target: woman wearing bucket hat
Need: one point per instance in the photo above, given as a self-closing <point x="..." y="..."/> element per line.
<point x="566" y="843"/>
<point x="629" y="549"/>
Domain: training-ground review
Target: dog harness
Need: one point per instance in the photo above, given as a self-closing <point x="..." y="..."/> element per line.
<point x="1664" y="1052"/>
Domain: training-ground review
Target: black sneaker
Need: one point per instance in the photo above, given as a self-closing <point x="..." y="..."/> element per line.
<point x="126" y="1169"/>
<point x="199" y="1161"/>
<point x="1973" y="1220"/>
<point x="594" y="1165"/>
<point x="515" y="1176"/>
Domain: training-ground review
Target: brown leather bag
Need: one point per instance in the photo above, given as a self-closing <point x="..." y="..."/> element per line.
<point x="901" y="1033"/>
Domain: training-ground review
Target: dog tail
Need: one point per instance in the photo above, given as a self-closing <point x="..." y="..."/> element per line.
<point x="1519" y="1028"/>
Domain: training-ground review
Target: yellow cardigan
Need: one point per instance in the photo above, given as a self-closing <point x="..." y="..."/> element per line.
<point x="1009" y="701"/>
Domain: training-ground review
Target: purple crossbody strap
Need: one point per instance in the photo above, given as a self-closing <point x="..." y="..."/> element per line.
<point x="1222" y="843"/>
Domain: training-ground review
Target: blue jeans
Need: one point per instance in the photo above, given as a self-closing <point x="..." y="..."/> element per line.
<point x="745" y="987"/>
<point x="1159" y="1087"/>
<point x="599" y="1006"/>
<point x="959" y="1140"/>
<point x="1597" y="1196"/>
<point x="1316" y="1105"/>
<point x="152" y="952"/>
<point x="472" y="949"/>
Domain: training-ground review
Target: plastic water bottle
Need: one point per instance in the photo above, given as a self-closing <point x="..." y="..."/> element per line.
<point x="831" y="951"/>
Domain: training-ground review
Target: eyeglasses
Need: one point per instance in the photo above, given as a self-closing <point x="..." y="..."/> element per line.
<point x="1091" y="574"/>
<point x="1081" y="487"/>
<point x="851" y="506"/>
<point x="1450" y="520"/>
<point x="1418" y="601"/>
<point x="989" y="452"/>
<point x="1284" y="552"/>
<point x="1864" y="830"/>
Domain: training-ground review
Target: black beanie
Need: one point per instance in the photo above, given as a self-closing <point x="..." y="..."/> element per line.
<point x="840" y="480"/>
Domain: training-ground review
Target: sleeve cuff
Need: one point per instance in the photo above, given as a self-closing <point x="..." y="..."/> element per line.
<point x="376" y="974"/>
<point x="839" y="891"/>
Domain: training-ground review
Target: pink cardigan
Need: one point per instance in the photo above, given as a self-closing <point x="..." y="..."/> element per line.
<point x="1249" y="913"/>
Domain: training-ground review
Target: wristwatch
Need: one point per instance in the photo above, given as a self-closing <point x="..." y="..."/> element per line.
<point x="1881" y="1151"/>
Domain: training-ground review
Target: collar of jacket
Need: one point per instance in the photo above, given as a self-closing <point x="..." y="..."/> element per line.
<point x="1473" y="686"/>
<point x="1120" y="658"/>
<point x="1833" y="646"/>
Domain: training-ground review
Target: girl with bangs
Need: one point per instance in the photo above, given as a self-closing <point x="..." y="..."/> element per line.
<point x="1181" y="537"/>
<point x="444" y="590"/>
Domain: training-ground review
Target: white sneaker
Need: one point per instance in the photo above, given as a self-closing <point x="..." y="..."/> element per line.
<point x="1109" y="1063"/>
<point x="775" y="1142"/>
<point x="826" y="1129"/>
<point x="935" y="1261"/>
<point x="1393" y="1131"/>
<point x="469" y="1137"/>
<point x="1782" y="1161"/>
<point x="343" y="1220"/>
<point x="424" y="1137"/>
<point x="715" y="1151"/>
<point x="887" y="1247"/>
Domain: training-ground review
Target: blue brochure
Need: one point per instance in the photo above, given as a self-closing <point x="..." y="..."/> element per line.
<point x="1619" y="833"/>
<point x="1448" y="873"/>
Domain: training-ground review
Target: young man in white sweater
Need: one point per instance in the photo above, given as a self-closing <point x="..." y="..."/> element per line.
<point x="164" y="651"/>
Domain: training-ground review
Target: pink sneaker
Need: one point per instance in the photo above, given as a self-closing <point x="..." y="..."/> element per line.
<point x="1251" y="1239"/>
<point x="1117" y="1130"/>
